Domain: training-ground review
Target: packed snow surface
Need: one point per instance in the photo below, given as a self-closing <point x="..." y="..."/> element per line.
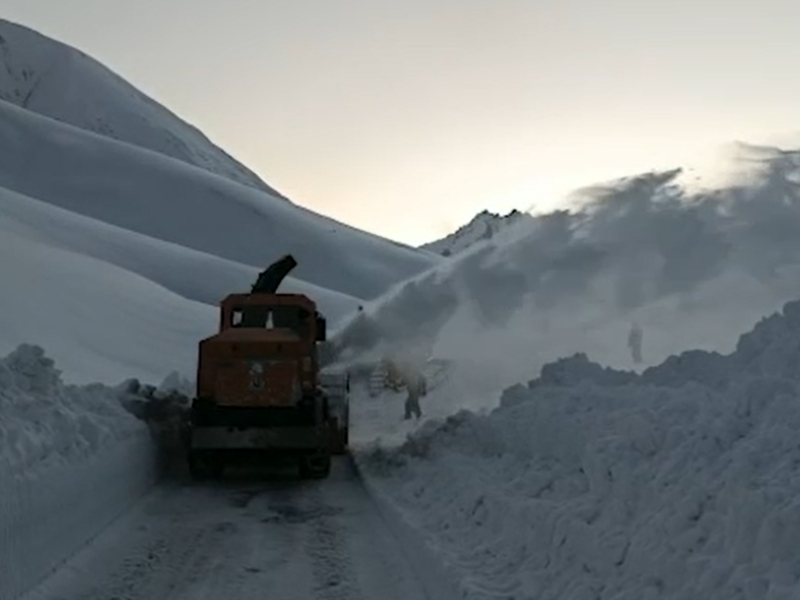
<point x="680" y="482"/>
<point x="247" y="539"/>
<point x="61" y="82"/>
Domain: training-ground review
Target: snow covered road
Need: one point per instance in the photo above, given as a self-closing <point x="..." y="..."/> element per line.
<point x="245" y="538"/>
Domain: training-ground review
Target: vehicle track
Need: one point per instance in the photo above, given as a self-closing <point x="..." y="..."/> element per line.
<point x="244" y="538"/>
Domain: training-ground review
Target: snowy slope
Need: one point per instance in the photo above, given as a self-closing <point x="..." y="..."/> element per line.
<point x="484" y="226"/>
<point x="588" y="483"/>
<point x="108" y="303"/>
<point x="98" y="321"/>
<point x="58" y="81"/>
<point x="148" y="193"/>
<point x="192" y="274"/>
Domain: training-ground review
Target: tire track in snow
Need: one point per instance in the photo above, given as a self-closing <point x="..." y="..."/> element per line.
<point x="334" y="574"/>
<point x="177" y="559"/>
<point x="247" y="540"/>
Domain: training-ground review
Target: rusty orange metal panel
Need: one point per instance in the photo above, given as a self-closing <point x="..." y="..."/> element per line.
<point x="253" y="383"/>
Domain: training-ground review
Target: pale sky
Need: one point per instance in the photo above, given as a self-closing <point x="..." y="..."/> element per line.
<point x="406" y="117"/>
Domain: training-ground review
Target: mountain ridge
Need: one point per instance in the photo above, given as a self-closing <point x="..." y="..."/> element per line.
<point x="59" y="81"/>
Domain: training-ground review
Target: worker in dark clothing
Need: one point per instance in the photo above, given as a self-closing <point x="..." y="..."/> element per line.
<point x="635" y="343"/>
<point x="416" y="387"/>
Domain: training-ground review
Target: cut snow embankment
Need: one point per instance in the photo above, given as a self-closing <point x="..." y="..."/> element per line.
<point x="72" y="459"/>
<point x="681" y="482"/>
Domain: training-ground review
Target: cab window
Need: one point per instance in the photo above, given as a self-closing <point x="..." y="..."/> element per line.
<point x="294" y="318"/>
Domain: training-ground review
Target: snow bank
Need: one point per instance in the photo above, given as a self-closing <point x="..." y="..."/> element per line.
<point x="48" y="516"/>
<point x="680" y="482"/>
<point x="46" y="423"/>
<point x="71" y="460"/>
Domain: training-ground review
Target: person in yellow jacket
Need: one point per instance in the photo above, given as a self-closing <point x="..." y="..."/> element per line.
<point x="394" y="378"/>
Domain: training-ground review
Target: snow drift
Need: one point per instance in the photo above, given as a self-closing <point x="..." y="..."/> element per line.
<point x="680" y="482"/>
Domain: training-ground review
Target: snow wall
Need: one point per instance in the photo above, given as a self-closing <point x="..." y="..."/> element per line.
<point x="72" y="460"/>
<point x="47" y="517"/>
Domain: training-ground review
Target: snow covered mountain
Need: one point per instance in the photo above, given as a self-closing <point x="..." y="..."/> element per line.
<point x="58" y="81"/>
<point x="482" y="227"/>
<point x="79" y="211"/>
<point x="588" y="482"/>
<point x="121" y="226"/>
<point x="166" y="199"/>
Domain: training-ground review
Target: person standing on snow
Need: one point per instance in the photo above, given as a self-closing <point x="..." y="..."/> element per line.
<point x="635" y="342"/>
<point x="416" y="387"/>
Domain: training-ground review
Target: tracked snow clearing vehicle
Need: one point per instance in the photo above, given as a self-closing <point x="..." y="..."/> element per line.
<point x="259" y="387"/>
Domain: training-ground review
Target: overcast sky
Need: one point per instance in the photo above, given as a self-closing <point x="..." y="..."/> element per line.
<point x="407" y="117"/>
